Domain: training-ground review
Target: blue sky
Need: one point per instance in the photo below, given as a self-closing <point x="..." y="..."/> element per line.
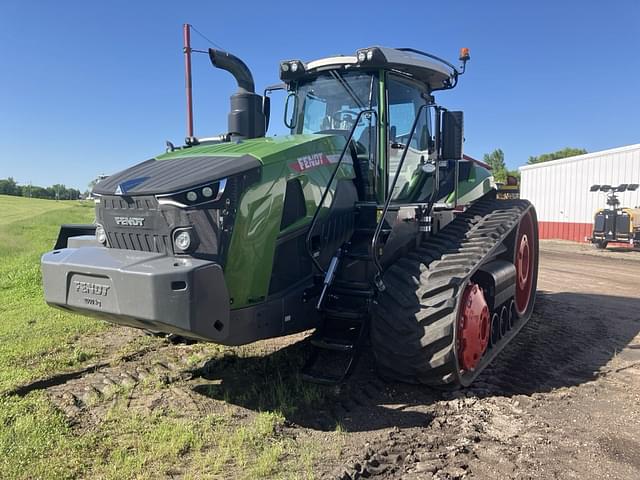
<point x="91" y="87"/>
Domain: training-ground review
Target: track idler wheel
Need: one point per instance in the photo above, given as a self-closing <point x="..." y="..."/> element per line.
<point x="525" y="252"/>
<point x="504" y="321"/>
<point x="495" y="329"/>
<point x="474" y="326"/>
<point x="512" y="314"/>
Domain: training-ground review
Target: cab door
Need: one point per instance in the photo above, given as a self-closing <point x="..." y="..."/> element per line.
<point x="416" y="177"/>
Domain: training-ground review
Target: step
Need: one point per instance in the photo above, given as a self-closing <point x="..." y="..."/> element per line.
<point x="344" y="314"/>
<point x="354" y="292"/>
<point x="322" y="379"/>
<point x="372" y="230"/>
<point x="335" y="344"/>
<point x="350" y="285"/>
<point x="364" y="256"/>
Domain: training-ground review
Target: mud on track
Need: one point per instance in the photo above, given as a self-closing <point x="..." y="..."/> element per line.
<point x="561" y="401"/>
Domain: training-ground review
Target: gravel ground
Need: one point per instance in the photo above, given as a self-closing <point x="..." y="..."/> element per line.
<point x="562" y="401"/>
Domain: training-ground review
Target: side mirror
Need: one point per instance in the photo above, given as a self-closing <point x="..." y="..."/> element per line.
<point x="266" y="109"/>
<point x="452" y="135"/>
<point x="632" y="187"/>
<point x="594" y="188"/>
<point x="290" y="109"/>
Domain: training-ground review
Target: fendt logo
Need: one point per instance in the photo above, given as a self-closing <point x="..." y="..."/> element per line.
<point x="129" y="221"/>
<point x="92" y="288"/>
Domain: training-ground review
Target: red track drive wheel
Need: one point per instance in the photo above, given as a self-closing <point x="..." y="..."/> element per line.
<point x="473" y="327"/>
<point x="525" y="251"/>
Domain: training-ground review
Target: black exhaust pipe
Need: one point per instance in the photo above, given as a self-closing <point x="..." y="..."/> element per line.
<point x="246" y="118"/>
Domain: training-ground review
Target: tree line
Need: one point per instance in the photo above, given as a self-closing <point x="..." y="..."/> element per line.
<point x="8" y="186"/>
<point x="495" y="160"/>
<point x="499" y="168"/>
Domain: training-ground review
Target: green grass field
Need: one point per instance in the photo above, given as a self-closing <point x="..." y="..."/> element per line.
<point x="34" y="339"/>
<point x="37" y="440"/>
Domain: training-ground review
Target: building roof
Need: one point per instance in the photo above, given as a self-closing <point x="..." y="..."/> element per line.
<point x="578" y="158"/>
<point x="476" y="161"/>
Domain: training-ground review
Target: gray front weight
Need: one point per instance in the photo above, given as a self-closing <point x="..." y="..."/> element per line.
<point x="186" y="296"/>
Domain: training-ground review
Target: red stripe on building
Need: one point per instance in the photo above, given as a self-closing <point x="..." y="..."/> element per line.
<point x="576" y="232"/>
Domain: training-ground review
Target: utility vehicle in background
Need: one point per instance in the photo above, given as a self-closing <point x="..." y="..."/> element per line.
<point x="616" y="224"/>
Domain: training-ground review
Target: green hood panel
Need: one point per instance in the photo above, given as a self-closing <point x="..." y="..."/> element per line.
<point x="266" y="149"/>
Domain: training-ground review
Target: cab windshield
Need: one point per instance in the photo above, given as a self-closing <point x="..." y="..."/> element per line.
<point x="330" y="103"/>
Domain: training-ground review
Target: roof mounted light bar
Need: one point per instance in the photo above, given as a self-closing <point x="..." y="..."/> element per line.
<point x="623" y="187"/>
<point x="291" y="69"/>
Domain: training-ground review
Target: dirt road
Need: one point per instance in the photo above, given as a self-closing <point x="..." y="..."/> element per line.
<point x="562" y="401"/>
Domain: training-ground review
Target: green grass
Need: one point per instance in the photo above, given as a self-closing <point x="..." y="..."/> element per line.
<point x="36" y="439"/>
<point x="35" y="340"/>
<point x="36" y="442"/>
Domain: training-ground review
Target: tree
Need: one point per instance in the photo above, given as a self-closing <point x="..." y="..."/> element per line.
<point x="564" y="153"/>
<point x="8" y="187"/>
<point x="495" y="160"/>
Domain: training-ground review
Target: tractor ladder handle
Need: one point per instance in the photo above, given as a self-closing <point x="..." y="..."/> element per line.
<point x="376" y="235"/>
<point x="326" y="190"/>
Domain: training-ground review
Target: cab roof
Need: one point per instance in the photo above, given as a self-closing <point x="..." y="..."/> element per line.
<point x="424" y="67"/>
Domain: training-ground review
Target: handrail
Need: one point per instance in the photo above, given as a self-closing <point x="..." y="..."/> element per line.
<point x="333" y="176"/>
<point x="376" y="235"/>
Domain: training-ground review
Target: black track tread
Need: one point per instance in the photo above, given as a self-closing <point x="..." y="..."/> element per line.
<point x="413" y="319"/>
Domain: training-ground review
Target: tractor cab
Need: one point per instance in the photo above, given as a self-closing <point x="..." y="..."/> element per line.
<point x="381" y="100"/>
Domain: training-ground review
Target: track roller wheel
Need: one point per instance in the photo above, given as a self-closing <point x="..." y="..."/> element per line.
<point x="474" y="325"/>
<point x="525" y="262"/>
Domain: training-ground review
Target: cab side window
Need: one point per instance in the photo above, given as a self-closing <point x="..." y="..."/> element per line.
<point x="404" y="100"/>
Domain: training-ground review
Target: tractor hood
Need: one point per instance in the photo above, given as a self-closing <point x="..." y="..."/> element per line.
<point x="183" y="168"/>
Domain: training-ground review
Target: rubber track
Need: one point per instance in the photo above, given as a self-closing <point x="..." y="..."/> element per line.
<point x="413" y="319"/>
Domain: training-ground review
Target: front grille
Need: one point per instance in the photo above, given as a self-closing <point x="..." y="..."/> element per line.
<point x="154" y="236"/>
<point x="144" y="242"/>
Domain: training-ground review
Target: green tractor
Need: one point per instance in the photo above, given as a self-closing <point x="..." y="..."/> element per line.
<point x="365" y="223"/>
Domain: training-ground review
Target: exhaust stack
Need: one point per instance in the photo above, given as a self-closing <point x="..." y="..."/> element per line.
<point x="186" y="35"/>
<point x="246" y="118"/>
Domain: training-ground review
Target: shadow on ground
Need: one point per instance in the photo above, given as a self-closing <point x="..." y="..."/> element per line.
<point x="272" y="382"/>
<point x="570" y="340"/>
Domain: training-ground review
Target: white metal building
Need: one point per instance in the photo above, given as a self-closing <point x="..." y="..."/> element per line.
<point x="559" y="189"/>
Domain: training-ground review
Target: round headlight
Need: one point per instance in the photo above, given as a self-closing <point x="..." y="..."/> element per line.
<point x="207" y="192"/>
<point x="361" y="56"/>
<point x="285" y="67"/>
<point x="192" y="196"/>
<point x="101" y="235"/>
<point x="182" y="241"/>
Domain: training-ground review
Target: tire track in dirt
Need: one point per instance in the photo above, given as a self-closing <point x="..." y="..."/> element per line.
<point x="85" y="398"/>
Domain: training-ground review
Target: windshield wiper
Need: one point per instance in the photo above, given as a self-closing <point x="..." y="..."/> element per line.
<point x="335" y="74"/>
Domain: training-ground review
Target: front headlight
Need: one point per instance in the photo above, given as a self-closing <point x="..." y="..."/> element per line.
<point x="184" y="240"/>
<point x="194" y="196"/>
<point x="101" y="235"/>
